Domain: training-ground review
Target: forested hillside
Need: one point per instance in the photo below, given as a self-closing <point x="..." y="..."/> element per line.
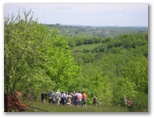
<point x="115" y="68"/>
<point x="109" y="62"/>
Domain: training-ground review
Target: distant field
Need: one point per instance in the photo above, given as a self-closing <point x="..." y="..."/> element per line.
<point x="89" y="31"/>
<point x="87" y="47"/>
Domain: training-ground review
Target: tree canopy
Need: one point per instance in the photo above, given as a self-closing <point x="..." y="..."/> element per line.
<point x="36" y="57"/>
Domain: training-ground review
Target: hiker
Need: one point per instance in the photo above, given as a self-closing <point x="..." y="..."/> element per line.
<point x="125" y="101"/>
<point x="51" y="97"/>
<point x="84" y="97"/>
<point x="79" y="99"/>
<point x="95" y="100"/>
<point x="130" y="104"/>
<point x="66" y="96"/>
<point x="74" y="95"/>
<point x="63" y="98"/>
<point x="68" y="99"/>
<point x="58" y="97"/>
<point x="43" y="97"/>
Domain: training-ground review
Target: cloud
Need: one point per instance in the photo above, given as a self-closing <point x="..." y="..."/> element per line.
<point x="94" y="14"/>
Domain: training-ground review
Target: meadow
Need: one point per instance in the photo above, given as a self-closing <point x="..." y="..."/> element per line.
<point x="89" y="108"/>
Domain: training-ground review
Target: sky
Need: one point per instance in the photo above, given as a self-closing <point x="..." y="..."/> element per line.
<point x="85" y="14"/>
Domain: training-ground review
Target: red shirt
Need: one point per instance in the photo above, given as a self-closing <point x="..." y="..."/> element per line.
<point x="130" y="103"/>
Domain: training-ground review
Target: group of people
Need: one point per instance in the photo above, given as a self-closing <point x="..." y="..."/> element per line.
<point x="128" y="103"/>
<point x="74" y="98"/>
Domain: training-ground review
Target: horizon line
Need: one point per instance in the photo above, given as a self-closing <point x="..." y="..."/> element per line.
<point x="93" y="25"/>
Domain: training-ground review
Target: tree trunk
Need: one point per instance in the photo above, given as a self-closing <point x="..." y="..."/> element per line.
<point x="5" y="103"/>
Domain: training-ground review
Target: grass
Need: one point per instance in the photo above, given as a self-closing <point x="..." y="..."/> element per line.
<point x="89" y="108"/>
<point x="87" y="47"/>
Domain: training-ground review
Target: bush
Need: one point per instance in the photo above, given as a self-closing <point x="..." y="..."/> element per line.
<point x="140" y="102"/>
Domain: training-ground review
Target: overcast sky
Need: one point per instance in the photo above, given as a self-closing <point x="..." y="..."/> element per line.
<point x="85" y="14"/>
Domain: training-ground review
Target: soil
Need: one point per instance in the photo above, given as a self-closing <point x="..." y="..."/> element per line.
<point x="13" y="103"/>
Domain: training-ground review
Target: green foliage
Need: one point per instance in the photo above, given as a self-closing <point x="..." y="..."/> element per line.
<point x="123" y="61"/>
<point x="140" y="102"/>
<point x="123" y="88"/>
<point x="22" y="39"/>
<point x="137" y="72"/>
<point x="36" y="58"/>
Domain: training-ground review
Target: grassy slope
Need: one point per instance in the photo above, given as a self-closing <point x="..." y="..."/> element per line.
<point x="55" y="108"/>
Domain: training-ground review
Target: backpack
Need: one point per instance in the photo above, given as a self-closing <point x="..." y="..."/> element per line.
<point x="51" y="94"/>
<point x="63" y="96"/>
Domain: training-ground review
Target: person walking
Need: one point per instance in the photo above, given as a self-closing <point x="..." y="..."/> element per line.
<point x="74" y="97"/>
<point x="130" y="104"/>
<point x="79" y="99"/>
<point x="69" y="97"/>
<point x="125" y="102"/>
<point x="95" y="100"/>
<point x="63" y="98"/>
<point x="84" y="97"/>
<point x="43" y="97"/>
<point x="51" y="97"/>
<point x="58" y="97"/>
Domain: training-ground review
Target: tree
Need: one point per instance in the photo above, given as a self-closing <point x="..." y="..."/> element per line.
<point x="22" y="40"/>
<point x="137" y="72"/>
<point x="35" y="59"/>
<point x="123" y="87"/>
<point x="59" y="62"/>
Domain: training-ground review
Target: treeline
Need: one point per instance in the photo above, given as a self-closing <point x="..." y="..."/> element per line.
<point x="77" y="41"/>
<point x="96" y="31"/>
<point x="136" y="43"/>
<point x="127" y="41"/>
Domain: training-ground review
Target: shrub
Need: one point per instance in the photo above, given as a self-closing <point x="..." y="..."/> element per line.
<point x="140" y="102"/>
